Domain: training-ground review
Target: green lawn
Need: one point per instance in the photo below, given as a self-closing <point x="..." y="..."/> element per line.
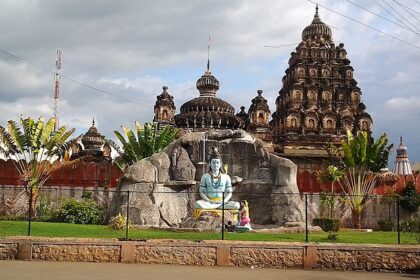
<point x="20" y="228"/>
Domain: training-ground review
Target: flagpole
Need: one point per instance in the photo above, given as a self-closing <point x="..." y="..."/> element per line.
<point x="208" y="55"/>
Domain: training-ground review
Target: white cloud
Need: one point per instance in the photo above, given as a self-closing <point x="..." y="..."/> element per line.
<point x="133" y="48"/>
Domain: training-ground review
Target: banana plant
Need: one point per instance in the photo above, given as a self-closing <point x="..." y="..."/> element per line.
<point x="361" y="160"/>
<point x="34" y="148"/>
<point x="146" y="140"/>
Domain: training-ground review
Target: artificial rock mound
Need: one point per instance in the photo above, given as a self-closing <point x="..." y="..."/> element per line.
<point x="163" y="188"/>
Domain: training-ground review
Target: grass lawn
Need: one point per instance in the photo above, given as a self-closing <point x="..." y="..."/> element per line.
<point x="20" y="228"/>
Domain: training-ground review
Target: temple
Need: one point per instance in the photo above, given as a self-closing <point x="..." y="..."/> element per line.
<point x="318" y="102"/>
<point x="319" y="99"/>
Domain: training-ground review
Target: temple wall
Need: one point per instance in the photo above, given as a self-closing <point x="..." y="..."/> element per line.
<point x="391" y="258"/>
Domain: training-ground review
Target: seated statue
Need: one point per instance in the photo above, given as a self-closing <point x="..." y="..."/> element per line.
<point x="212" y="186"/>
<point x="244" y="222"/>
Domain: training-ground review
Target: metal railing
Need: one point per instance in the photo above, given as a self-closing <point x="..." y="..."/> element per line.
<point x="310" y="203"/>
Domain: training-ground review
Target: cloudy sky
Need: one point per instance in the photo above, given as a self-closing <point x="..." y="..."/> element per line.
<point x="130" y="49"/>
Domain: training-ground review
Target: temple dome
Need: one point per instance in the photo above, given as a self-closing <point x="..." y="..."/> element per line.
<point x="207" y="84"/>
<point x="259" y="103"/>
<point x="164" y="99"/>
<point x="317" y="29"/>
<point x="402" y="150"/>
<point x="242" y="114"/>
<point x="402" y="163"/>
<point x="207" y="111"/>
<point x="93" y="140"/>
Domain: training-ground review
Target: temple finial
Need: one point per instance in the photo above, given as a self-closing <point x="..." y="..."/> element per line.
<point x="400" y="139"/>
<point x="316" y="10"/>
<point x="93" y="122"/>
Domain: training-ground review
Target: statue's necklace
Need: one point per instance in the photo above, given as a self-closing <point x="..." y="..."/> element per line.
<point x="217" y="183"/>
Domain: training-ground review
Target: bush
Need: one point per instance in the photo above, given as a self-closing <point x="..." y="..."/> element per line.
<point x="327" y="224"/>
<point x="46" y="210"/>
<point x="412" y="227"/>
<point x="410" y="200"/>
<point x="85" y="211"/>
<point x="386" y="225"/>
<point x="332" y="236"/>
<point x="118" y="222"/>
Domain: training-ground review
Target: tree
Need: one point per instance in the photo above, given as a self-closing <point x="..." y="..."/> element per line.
<point x="410" y="199"/>
<point x="361" y="160"/>
<point x="330" y="175"/>
<point x="147" y="140"/>
<point x="34" y="148"/>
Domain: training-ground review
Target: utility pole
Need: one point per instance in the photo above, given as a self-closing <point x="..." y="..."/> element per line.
<point x="58" y="63"/>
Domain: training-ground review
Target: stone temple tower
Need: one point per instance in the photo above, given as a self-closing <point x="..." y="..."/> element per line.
<point x="319" y="99"/>
<point x="164" y="109"/>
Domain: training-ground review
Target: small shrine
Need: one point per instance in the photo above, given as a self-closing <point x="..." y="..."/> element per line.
<point x="259" y="115"/>
<point x="93" y="144"/>
<point x="164" y="109"/>
<point x="402" y="164"/>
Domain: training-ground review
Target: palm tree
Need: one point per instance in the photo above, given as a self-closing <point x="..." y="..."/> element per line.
<point x="361" y="161"/>
<point x="147" y="140"/>
<point x="33" y="150"/>
<point x="330" y="175"/>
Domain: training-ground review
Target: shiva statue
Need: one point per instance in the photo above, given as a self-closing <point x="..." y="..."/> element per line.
<point x="212" y="186"/>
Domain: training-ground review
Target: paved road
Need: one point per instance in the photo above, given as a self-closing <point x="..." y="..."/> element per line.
<point x="18" y="270"/>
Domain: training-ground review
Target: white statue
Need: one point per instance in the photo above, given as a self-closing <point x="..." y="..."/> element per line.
<point x="213" y="185"/>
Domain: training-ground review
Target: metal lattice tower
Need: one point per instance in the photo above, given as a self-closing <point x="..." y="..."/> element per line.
<point x="58" y="64"/>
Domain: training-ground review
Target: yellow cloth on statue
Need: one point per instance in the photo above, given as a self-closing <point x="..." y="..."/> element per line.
<point x="215" y="199"/>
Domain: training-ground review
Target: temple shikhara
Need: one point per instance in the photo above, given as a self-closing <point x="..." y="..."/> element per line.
<point x="319" y="99"/>
<point x="318" y="102"/>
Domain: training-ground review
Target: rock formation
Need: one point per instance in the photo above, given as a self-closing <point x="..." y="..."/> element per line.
<point x="163" y="188"/>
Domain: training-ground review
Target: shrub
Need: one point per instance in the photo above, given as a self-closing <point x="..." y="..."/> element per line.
<point x="119" y="222"/>
<point x="85" y="211"/>
<point x="46" y="210"/>
<point x="386" y="225"/>
<point x="327" y="224"/>
<point x="333" y="236"/>
<point x="410" y="200"/>
<point x="412" y="227"/>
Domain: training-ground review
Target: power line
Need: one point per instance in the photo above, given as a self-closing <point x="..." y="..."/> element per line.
<point x="378" y="15"/>
<point x="407" y="9"/>
<point x="386" y="10"/>
<point x="46" y="70"/>
<point x="403" y="17"/>
<point x="104" y="91"/>
<point x="366" y="25"/>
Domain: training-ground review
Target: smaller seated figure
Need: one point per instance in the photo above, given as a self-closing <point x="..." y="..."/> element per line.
<point x="244" y="222"/>
<point x="214" y="185"/>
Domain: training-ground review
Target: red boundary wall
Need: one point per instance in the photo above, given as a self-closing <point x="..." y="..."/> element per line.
<point x="104" y="174"/>
<point x="307" y="182"/>
<point x="108" y="175"/>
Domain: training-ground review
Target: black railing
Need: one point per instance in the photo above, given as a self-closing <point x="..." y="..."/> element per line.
<point x="308" y="201"/>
